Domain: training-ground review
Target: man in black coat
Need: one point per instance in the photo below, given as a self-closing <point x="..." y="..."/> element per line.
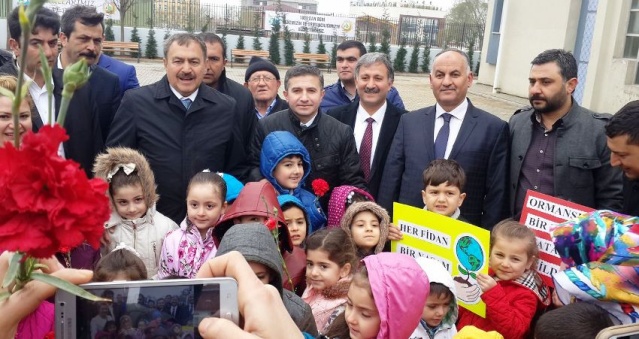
<point x="82" y="126"/>
<point x="180" y="124"/>
<point x="215" y="78"/>
<point x="373" y="79"/>
<point x="329" y="142"/>
<point x="622" y="134"/>
<point x="82" y="35"/>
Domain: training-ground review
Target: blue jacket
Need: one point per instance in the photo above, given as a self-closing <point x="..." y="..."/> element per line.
<point x="126" y="73"/>
<point x="278" y="145"/>
<point x="335" y="95"/>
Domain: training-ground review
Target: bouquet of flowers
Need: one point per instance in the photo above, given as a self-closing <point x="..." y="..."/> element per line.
<point x="48" y="203"/>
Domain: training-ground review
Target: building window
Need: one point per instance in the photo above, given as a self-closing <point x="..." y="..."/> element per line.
<point x="631" y="48"/>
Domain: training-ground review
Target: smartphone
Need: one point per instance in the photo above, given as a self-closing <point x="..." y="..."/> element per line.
<point x="145" y="309"/>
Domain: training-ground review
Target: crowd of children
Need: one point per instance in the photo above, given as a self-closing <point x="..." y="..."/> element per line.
<point x="330" y="269"/>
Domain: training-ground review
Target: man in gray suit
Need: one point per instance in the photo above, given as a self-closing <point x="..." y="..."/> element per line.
<point x="451" y="129"/>
<point x="558" y="147"/>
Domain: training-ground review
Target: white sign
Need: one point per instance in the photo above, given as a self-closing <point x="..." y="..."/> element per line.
<point x="59" y="6"/>
<point x="313" y="23"/>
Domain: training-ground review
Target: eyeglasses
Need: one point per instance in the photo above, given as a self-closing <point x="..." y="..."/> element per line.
<point x="266" y="79"/>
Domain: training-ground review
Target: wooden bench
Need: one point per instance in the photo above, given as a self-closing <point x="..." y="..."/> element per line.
<point x="243" y="54"/>
<point x="122" y="47"/>
<point x="317" y="59"/>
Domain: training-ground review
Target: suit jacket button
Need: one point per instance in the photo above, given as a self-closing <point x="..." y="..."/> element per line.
<point x="521" y="157"/>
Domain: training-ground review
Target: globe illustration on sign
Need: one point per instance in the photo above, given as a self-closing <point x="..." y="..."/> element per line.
<point x="470" y="255"/>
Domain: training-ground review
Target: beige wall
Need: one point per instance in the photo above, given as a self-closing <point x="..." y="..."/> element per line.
<point x="530" y="28"/>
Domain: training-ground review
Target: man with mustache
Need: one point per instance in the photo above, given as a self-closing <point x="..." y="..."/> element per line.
<point x="623" y="140"/>
<point x="82" y="33"/>
<point x="451" y="129"/>
<point x="374" y="77"/>
<point x="558" y="147"/>
<point x="344" y="91"/>
<point x="181" y="125"/>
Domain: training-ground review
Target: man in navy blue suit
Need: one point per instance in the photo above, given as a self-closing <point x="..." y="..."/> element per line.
<point x="451" y="129"/>
<point x="126" y="73"/>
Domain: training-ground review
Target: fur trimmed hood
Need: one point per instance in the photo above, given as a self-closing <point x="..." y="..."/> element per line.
<point x="114" y="156"/>
<point x="380" y="212"/>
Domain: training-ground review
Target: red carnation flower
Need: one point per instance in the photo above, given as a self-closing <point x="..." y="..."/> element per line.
<point x="320" y="187"/>
<point x="48" y="202"/>
<point x="271" y="224"/>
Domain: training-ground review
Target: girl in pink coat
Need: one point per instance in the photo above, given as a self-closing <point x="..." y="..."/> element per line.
<point x="385" y="299"/>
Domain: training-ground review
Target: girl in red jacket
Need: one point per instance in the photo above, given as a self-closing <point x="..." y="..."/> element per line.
<point x="513" y="292"/>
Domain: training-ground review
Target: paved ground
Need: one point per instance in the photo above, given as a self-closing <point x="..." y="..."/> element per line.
<point x="413" y="88"/>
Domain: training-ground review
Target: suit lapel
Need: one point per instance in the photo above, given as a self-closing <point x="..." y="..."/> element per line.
<point x="467" y="127"/>
<point x="36" y="119"/>
<point x="386" y="134"/>
<point x="429" y="130"/>
<point x="351" y="111"/>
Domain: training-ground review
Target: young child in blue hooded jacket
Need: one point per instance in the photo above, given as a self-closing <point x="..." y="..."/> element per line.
<point x="285" y="163"/>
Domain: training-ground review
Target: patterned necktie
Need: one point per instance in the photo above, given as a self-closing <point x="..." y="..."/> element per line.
<point x="442" y="137"/>
<point x="365" y="149"/>
<point x="186" y="102"/>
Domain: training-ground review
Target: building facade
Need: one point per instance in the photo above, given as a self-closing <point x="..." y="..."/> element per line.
<point x="602" y="34"/>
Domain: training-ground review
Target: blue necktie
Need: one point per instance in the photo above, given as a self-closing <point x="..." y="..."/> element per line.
<point x="186" y="102"/>
<point x="442" y="137"/>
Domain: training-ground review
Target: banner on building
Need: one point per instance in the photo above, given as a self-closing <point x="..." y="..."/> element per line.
<point x="539" y="213"/>
<point x="59" y="6"/>
<point x="461" y="247"/>
<point x="312" y="23"/>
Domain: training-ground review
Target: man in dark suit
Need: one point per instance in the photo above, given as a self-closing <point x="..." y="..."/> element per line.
<point x="126" y="73"/>
<point x="180" y="124"/>
<point x="82" y="35"/>
<point x="374" y="77"/>
<point x="622" y="134"/>
<point x="81" y="123"/>
<point x="452" y="129"/>
<point x="215" y="78"/>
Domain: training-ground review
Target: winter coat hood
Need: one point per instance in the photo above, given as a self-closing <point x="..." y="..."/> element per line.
<point x="380" y="212"/>
<point x="277" y="146"/>
<point x="400" y="288"/>
<point x="256" y="244"/>
<point x="337" y="203"/>
<point x="437" y="273"/>
<point x="118" y="159"/>
<point x="256" y="199"/>
<point x="287" y="199"/>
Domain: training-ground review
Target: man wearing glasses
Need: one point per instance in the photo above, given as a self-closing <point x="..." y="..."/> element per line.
<point x="263" y="80"/>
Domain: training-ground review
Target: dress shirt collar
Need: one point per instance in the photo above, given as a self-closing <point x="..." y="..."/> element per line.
<point x="458" y="112"/>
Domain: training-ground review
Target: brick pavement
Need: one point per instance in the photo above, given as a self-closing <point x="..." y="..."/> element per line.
<point x="413" y="88"/>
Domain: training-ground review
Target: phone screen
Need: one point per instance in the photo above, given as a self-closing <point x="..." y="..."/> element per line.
<point x="147" y="311"/>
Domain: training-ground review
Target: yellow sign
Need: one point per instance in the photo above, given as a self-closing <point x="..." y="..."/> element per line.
<point x="461" y="247"/>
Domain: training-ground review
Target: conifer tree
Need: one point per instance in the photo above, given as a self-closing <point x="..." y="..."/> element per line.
<point x="400" y="57"/>
<point x="372" y="44"/>
<point x="289" y="49"/>
<point x="274" y="42"/>
<point x="167" y="34"/>
<point x="426" y="59"/>
<point x="321" y="48"/>
<point x="135" y="37"/>
<point x="151" y="51"/>
<point x="257" y="44"/>
<point x="240" y="42"/>
<point x="413" y="65"/>
<point x="307" y="43"/>
<point x="471" y="52"/>
<point x="334" y="51"/>
<point x="385" y="45"/>
<point x="108" y="34"/>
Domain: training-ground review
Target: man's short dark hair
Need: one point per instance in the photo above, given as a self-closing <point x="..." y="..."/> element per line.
<point x="564" y="59"/>
<point x="45" y="18"/>
<point x="458" y="51"/>
<point x="183" y="39"/>
<point x="444" y="170"/>
<point x="352" y="44"/>
<point x="213" y="38"/>
<point x="86" y="15"/>
<point x="625" y="122"/>
<point x="301" y="70"/>
<point x="580" y="320"/>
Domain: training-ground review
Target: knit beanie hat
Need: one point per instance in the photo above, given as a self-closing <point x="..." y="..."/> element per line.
<point x="337" y="203"/>
<point x="379" y="211"/>
<point x="258" y="64"/>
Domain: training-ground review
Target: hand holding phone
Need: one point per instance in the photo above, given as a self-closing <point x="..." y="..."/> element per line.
<point x="260" y="305"/>
<point x="22" y="303"/>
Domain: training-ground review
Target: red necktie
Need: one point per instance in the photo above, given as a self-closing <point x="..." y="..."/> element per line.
<point x="365" y="149"/>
